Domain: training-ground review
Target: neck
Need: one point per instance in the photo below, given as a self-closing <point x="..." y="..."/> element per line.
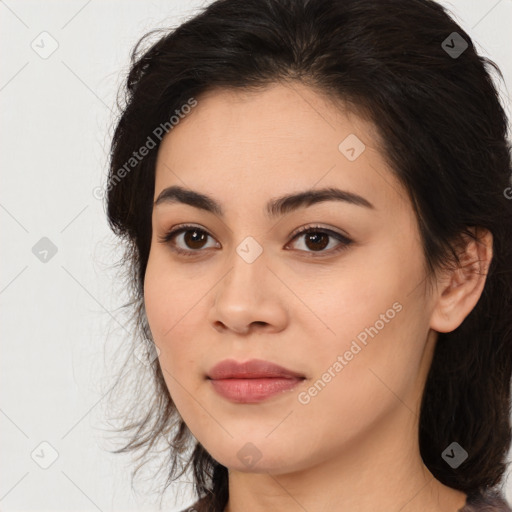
<point x="380" y="470"/>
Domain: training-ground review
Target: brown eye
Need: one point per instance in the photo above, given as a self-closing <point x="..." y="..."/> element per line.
<point x="316" y="239"/>
<point x="186" y="239"/>
<point x="194" y="239"/>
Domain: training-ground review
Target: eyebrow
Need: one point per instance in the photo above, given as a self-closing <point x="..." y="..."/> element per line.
<point x="274" y="208"/>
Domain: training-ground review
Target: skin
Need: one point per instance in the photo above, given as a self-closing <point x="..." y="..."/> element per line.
<point x="354" y="446"/>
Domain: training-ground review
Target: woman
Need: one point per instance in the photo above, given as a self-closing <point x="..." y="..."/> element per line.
<point x="313" y="196"/>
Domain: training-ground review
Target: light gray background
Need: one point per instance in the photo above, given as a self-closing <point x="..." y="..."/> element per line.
<point x="57" y="115"/>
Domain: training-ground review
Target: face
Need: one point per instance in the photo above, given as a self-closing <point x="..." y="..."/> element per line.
<point x="342" y="305"/>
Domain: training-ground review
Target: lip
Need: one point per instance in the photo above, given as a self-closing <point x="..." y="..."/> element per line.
<point x="252" y="369"/>
<point x="251" y="381"/>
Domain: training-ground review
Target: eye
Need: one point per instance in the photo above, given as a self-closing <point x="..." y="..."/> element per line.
<point x="193" y="237"/>
<point x="316" y="239"/>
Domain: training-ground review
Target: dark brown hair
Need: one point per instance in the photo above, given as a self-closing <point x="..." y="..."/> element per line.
<point x="444" y="134"/>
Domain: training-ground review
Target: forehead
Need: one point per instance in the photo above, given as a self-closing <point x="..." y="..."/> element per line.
<point x="240" y="144"/>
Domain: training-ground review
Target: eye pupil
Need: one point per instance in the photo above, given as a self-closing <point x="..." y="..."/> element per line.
<point x="191" y="240"/>
<point x="313" y="237"/>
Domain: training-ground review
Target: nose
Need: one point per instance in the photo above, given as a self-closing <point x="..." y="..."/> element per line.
<point x="249" y="298"/>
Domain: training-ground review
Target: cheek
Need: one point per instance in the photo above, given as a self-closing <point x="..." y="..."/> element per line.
<point x="378" y="334"/>
<point x="176" y="302"/>
<point x="175" y="312"/>
<point x="371" y="370"/>
<point x="172" y="295"/>
<point x="361" y="300"/>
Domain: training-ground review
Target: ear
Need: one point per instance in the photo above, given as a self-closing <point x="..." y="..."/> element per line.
<point x="459" y="289"/>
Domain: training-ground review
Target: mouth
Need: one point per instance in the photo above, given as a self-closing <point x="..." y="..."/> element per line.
<point x="253" y="390"/>
<point x="252" y="381"/>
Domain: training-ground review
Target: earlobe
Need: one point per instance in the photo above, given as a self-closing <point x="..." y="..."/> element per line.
<point x="459" y="289"/>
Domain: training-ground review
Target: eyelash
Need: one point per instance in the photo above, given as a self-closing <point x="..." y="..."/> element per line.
<point x="345" y="242"/>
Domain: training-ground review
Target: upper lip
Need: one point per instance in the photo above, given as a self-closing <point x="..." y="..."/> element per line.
<point x="253" y="369"/>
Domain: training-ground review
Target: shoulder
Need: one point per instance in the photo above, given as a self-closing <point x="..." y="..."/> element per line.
<point x="486" y="501"/>
<point x="198" y="506"/>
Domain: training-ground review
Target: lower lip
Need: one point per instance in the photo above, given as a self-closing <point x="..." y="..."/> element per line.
<point x="252" y="390"/>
